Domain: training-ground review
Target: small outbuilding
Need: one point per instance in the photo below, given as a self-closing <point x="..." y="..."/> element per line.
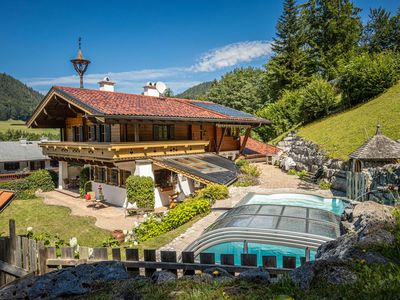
<point x="377" y="151"/>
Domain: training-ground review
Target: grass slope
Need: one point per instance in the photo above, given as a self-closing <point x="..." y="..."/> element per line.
<point x="20" y="125"/>
<point x="343" y="133"/>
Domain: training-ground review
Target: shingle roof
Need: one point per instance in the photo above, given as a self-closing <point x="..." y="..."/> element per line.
<point x="115" y="103"/>
<point x="378" y="147"/>
<point x="18" y="151"/>
<point x="256" y="147"/>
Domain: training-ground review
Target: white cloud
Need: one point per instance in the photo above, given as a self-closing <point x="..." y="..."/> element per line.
<point x="232" y="54"/>
<point x="178" y="78"/>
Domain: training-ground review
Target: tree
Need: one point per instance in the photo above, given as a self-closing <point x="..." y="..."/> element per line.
<point x="333" y="33"/>
<point x="380" y="31"/>
<point x="168" y="93"/>
<point x="288" y="68"/>
<point x="318" y="99"/>
<point x="238" y="89"/>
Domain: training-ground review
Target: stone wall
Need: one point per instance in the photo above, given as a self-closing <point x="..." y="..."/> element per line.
<point x="384" y="183"/>
<point x="308" y="156"/>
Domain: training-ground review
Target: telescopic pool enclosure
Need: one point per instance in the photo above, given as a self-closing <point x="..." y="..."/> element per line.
<point x="287" y="226"/>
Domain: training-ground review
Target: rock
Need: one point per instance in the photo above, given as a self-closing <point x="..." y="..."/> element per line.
<point x="341" y="275"/>
<point x="66" y="282"/>
<point x="303" y="276"/>
<point x="217" y="272"/>
<point x="161" y="277"/>
<point x="118" y="235"/>
<point x="258" y="275"/>
<point x="371" y="215"/>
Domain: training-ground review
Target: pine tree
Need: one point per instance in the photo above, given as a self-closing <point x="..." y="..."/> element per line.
<point x="287" y="68"/>
<point x="333" y="33"/>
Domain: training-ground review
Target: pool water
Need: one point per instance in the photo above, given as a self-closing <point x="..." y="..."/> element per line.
<point x="334" y="205"/>
<point x="237" y="248"/>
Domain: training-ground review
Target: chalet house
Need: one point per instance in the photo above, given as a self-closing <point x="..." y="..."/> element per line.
<point x="182" y="144"/>
<point x="18" y="159"/>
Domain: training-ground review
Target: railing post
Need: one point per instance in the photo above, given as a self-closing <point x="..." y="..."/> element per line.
<point x="248" y="260"/>
<point x="149" y="255"/>
<point x="269" y="261"/>
<point x="228" y="259"/>
<point x="188" y="257"/>
<point x="132" y="255"/>
<point x="169" y="256"/>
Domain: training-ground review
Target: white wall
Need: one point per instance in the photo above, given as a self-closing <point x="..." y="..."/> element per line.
<point x="185" y="185"/>
<point x="112" y="194"/>
<point x="145" y="168"/>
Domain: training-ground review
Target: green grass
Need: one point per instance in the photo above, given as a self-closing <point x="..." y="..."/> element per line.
<point x="343" y="133"/>
<point x="55" y="220"/>
<point x="20" y="125"/>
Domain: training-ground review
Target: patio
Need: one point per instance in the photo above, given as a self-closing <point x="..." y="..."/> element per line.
<point x="107" y="217"/>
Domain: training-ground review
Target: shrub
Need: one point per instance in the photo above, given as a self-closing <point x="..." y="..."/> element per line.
<point x="213" y="192"/>
<point x="251" y="170"/>
<point x="242" y="162"/>
<point x="292" y="172"/>
<point x="110" y="242"/>
<point x="41" y="179"/>
<point x="246" y="180"/>
<point x="302" y="173"/>
<point x="84" y="187"/>
<point x="175" y="217"/>
<point x="54" y="177"/>
<point x="318" y="99"/>
<point x="366" y="76"/>
<point x="324" y="185"/>
<point x="140" y="189"/>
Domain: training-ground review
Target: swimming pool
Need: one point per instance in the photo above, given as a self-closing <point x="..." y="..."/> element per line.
<point x="334" y="205"/>
<point x="260" y="249"/>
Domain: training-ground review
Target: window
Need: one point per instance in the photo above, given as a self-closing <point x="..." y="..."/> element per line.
<point x="11" y="166"/>
<point x="163" y="178"/>
<point x="234" y="132"/>
<point x="91" y="133"/>
<point x="54" y="163"/>
<point x="163" y="132"/>
<point x="37" y="165"/>
<point x="100" y="174"/>
<point x="76" y="133"/>
<point x="112" y="176"/>
<point x="124" y="176"/>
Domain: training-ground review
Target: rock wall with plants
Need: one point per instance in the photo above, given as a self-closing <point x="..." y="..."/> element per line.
<point x="308" y="156"/>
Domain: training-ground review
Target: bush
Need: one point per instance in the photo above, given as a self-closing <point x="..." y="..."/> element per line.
<point x="251" y="170"/>
<point x="140" y="189"/>
<point x="84" y="187"/>
<point x="41" y="179"/>
<point x="110" y="242"/>
<point x="246" y="180"/>
<point x="325" y="185"/>
<point x="366" y="76"/>
<point x="242" y="162"/>
<point x="175" y="217"/>
<point x="292" y="172"/>
<point x="54" y="177"/>
<point x="302" y="173"/>
<point x="318" y="99"/>
<point x="213" y="192"/>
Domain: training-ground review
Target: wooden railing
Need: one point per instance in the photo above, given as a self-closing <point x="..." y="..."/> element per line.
<point x="13" y="176"/>
<point x="121" y="151"/>
<point x="20" y="256"/>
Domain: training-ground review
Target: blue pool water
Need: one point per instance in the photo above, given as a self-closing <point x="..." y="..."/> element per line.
<point x="236" y="248"/>
<point x="336" y="206"/>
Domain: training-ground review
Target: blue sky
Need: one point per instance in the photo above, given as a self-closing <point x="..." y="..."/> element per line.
<point x="179" y="42"/>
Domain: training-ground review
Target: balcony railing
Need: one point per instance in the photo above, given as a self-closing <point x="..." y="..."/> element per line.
<point x="120" y="151"/>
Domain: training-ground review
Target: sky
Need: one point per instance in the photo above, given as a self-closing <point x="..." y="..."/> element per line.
<point x="181" y="42"/>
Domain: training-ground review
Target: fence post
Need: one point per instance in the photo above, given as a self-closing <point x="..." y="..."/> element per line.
<point x="42" y="258"/>
<point x="149" y="255"/>
<point x="207" y="258"/>
<point x="169" y="256"/>
<point x="32" y="256"/>
<point x="100" y="253"/>
<point x="132" y="255"/>
<point x="228" y="259"/>
<point x="25" y="253"/>
<point x="50" y="254"/>
<point x="249" y="260"/>
<point x="116" y="253"/>
<point x="289" y="262"/>
<point x="188" y="257"/>
<point x="269" y="261"/>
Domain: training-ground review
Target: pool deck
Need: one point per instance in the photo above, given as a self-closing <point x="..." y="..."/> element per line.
<point x="273" y="180"/>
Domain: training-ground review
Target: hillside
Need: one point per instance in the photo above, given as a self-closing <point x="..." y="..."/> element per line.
<point x="17" y="101"/>
<point x="196" y="92"/>
<point x="342" y="133"/>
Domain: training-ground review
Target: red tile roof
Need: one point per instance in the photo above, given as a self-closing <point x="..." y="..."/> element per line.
<point x="115" y="103"/>
<point x="256" y="147"/>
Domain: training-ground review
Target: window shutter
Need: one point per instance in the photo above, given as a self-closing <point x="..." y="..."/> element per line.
<point x="107" y="129"/>
<point x="155" y="133"/>
<point x="98" y="133"/>
<point x="81" y="137"/>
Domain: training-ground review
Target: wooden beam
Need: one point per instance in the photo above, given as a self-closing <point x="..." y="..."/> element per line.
<point x="13" y="270"/>
<point x="222" y="138"/>
<point x="246" y="137"/>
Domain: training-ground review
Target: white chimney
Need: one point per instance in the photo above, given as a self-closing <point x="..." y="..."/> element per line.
<point x="106" y="85"/>
<point x="150" y="89"/>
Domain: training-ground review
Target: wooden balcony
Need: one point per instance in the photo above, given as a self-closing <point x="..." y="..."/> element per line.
<point x="113" y="152"/>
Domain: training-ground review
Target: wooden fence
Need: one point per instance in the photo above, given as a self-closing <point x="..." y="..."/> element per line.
<point x="20" y="256"/>
<point x="356" y="186"/>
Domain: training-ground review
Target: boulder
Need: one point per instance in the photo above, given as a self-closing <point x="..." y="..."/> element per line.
<point x="161" y="277"/>
<point x="372" y="216"/>
<point x="334" y="272"/>
<point x="217" y="272"/>
<point x="255" y="275"/>
<point x="65" y="282"/>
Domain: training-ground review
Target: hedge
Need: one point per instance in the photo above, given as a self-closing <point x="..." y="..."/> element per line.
<point x="213" y="192"/>
<point x="140" y="189"/>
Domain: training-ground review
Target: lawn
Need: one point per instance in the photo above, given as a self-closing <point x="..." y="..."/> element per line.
<point x="20" y="125"/>
<point x="55" y="220"/>
<point x="343" y="133"/>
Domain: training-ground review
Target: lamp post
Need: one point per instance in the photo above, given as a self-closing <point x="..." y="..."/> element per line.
<point x="80" y="63"/>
